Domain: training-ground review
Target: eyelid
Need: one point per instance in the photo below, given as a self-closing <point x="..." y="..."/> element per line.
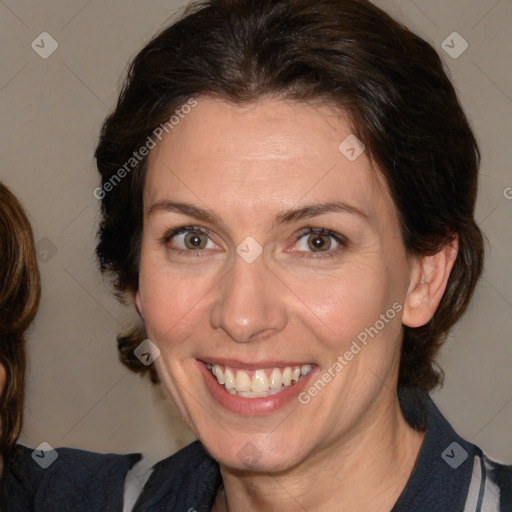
<point x="183" y="229"/>
<point x="322" y="231"/>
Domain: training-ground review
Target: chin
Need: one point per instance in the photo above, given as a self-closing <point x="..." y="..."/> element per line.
<point x="265" y="453"/>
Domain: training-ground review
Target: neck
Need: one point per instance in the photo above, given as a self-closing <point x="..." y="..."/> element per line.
<point x="363" y="471"/>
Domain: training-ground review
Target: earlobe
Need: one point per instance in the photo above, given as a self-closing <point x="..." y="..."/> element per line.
<point x="138" y="303"/>
<point x="428" y="283"/>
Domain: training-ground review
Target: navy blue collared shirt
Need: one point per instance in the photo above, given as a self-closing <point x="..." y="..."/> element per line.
<point x="76" y="481"/>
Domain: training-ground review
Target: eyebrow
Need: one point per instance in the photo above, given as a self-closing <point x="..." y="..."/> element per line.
<point x="166" y="205"/>
<point x="291" y="215"/>
<point x="313" y="210"/>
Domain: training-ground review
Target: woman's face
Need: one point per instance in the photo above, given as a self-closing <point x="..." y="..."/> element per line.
<point x="231" y="182"/>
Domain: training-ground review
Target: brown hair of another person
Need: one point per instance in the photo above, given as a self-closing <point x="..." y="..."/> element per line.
<point x="20" y="292"/>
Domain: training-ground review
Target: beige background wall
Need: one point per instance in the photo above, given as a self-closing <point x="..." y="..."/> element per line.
<point x="51" y="110"/>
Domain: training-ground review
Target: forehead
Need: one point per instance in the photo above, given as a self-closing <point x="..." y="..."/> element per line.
<point x="267" y="155"/>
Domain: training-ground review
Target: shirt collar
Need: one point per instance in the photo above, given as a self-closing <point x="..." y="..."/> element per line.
<point x="442" y="473"/>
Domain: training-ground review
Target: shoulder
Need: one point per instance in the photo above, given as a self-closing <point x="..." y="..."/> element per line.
<point x="450" y="472"/>
<point x="64" y="479"/>
<point x="491" y="485"/>
<point x="189" y="479"/>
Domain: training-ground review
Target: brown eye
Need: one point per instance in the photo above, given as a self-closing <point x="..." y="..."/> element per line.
<point x="195" y="240"/>
<point x="319" y="243"/>
<point x="189" y="239"/>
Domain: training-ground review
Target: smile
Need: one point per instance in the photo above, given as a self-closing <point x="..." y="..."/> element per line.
<point x="258" y="383"/>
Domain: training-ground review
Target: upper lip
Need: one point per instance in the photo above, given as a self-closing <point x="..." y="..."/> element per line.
<point x="252" y="365"/>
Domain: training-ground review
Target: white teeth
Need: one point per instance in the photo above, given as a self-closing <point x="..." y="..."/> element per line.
<point x="287" y="376"/>
<point x="259" y="382"/>
<point x="276" y="379"/>
<point x="305" y="369"/>
<point x="242" y="381"/>
<point x="229" y="379"/>
<point x="237" y="382"/>
<point x="218" y="373"/>
<point x="252" y="394"/>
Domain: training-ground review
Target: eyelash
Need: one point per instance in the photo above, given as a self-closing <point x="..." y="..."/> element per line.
<point x="340" y="239"/>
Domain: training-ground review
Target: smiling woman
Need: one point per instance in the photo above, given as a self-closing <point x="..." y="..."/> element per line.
<point x="307" y="230"/>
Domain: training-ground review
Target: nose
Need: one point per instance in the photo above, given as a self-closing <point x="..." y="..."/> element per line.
<point x="249" y="306"/>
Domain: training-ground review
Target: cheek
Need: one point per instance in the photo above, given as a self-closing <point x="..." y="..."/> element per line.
<point x="346" y="301"/>
<point x="334" y="305"/>
<point x="172" y="303"/>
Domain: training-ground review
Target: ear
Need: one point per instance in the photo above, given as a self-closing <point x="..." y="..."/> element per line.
<point x="138" y="302"/>
<point x="429" y="277"/>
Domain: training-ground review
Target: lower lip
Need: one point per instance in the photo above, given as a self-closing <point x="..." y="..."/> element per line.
<point x="252" y="406"/>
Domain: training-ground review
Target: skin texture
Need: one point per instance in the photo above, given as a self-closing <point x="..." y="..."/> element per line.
<point x="349" y="448"/>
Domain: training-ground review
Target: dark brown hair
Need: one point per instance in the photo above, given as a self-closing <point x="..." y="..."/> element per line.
<point x="349" y="53"/>
<point x="20" y="292"/>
